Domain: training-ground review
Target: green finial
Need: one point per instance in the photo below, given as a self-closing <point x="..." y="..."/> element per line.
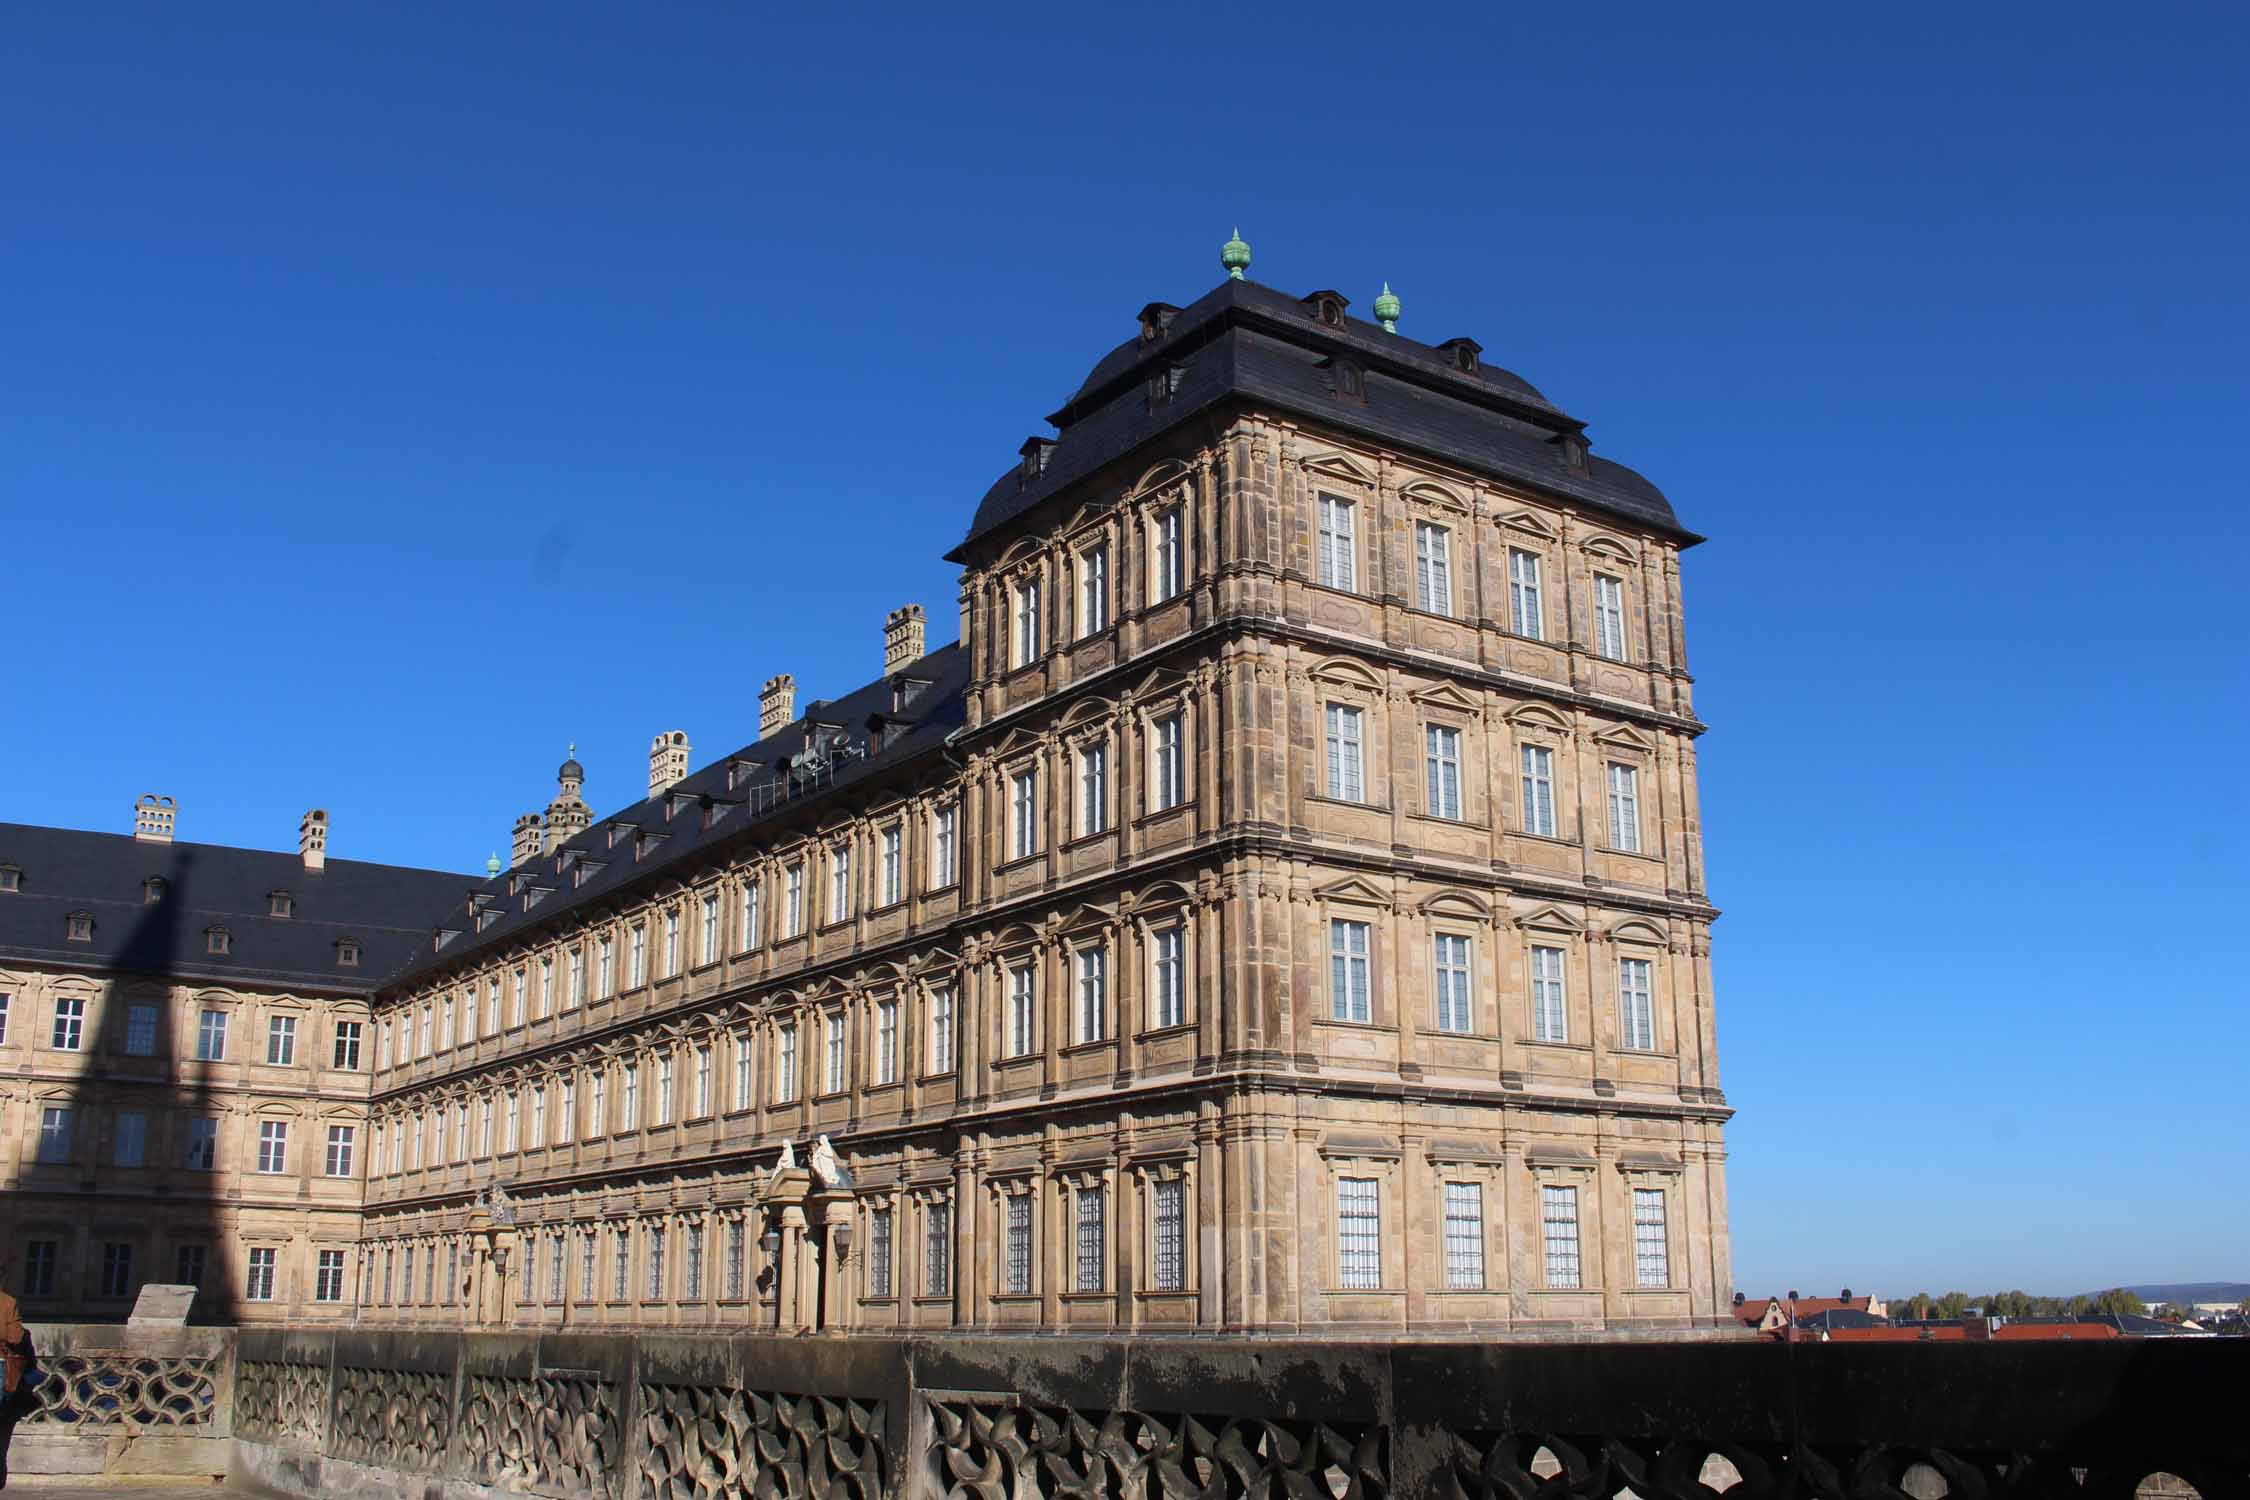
<point x="492" y="864"/>
<point x="1386" y="310"/>
<point x="1235" y="255"/>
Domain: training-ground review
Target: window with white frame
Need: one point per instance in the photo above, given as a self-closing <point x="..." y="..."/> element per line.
<point x="538" y="1135"/>
<point x="1549" y="1018"/>
<point x="1346" y="761"/>
<point x="575" y="996"/>
<point x="1636" y="1004"/>
<point x="597" y="1101"/>
<point x="491" y="1005"/>
<point x="54" y="1133"/>
<point x="259" y="1286"/>
<point x="1023" y="814"/>
<point x="340" y="1140"/>
<point x="1538" y="790"/>
<point x="941" y="1030"/>
<point x="1027" y="621"/>
<point x="1339" y="554"/>
<point x="893" y="842"/>
<point x="605" y="967"/>
<point x="631" y="1096"/>
<point x="1093" y="589"/>
<point x="833" y="1074"/>
<point x="1652" y="1258"/>
<point x="886" y="1041"/>
<point x="1609" y="616"/>
<point x="281" y="1041"/>
<point x="1441" y="760"/>
<point x="1092" y="1205"/>
<point x="1624" y="807"/>
<point x="753" y="892"/>
<point x="785" y="1062"/>
<point x="637" y="964"/>
<point x="1348" y="994"/>
<point x="345" y="1058"/>
<point x="5" y="997"/>
<point x="1169" y="575"/>
<point x="664" y="1094"/>
<point x="1023" y="1014"/>
<point x="520" y="982"/>
<point x="1526" y="613"/>
<point x="709" y="928"/>
<point x="328" y="1276"/>
<point x="879" y="1253"/>
<point x="129" y="1140"/>
<point x="1451" y="958"/>
<point x="944" y="846"/>
<point x="1093" y="993"/>
<point x="1359" y="1233"/>
<point x="1464" y="1235"/>
<point x="1168" y="975"/>
<point x="273" y="1146"/>
<point x="1169" y="1237"/>
<point x="702" y="1080"/>
<point x="511" y="1124"/>
<point x="1168" y="769"/>
<point x="1093" y="789"/>
<point x="1433" y="568"/>
<point x="839" y="881"/>
<point x="486" y="1108"/>
<point x="566" y="1111"/>
<point x="1558" y="1222"/>
<point x="937" y="1260"/>
<point x="69" y="1034"/>
<point x="543" y="1002"/>
<point x="445" y="1024"/>
<point x="793" y="900"/>
<point x="1019" y="1244"/>
<point x="742" y="1066"/>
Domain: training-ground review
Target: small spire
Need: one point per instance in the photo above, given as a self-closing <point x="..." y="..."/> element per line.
<point x="574" y="749"/>
<point x="492" y="864"/>
<point x="1386" y="309"/>
<point x="1235" y="255"/>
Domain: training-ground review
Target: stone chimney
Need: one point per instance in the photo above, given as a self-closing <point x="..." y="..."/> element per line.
<point x="153" y="817"/>
<point x="902" y="638"/>
<point x="529" y="840"/>
<point x="777" y="705"/>
<point x="312" y="839"/>
<point x="667" y="760"/>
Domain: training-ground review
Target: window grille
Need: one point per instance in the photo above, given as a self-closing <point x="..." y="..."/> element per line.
<point x="1558" y="1214"/>
<point x="1359" y="1233"/>
<point x="1464" y="1235"/>
<point x="1170" y="1270"/>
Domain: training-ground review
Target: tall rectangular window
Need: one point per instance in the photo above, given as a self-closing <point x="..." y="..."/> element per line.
<point x="605" y="967"/>
<point x="54" y="1133"/>
<point x="886" y="1041"/>
<point x="1093" y="789"/>
<point x="1625" y="808"/>
<point x="427" y="1032"/>
<point x="621" y="1265"/>
<point x="1093" y="589"/>
<point x="511" y="1126"/>
<point x="1339" y="554"/>
<point x="753" y="893"/>
<point x="691" y="1260"/>
<point x="1019" y="1244"/>
<point x="281" y="1041"/>
<point x="1609" y="616"/>
<point x="702" y="1081"/>
<point x="566" y="1113"/>
<point x="1451" y="958"/>
<point x="1441" y="756"/>
<point x="1464" y="1235"/>
<point x="785" y="1062"/>
<point x="834" y="1075"/>
<point x="793" y="900"/>
<point x="638" y="964"/>
<point x="491" y="1004"/>
<point x="340" y="1141"/>
<point x="632" y="1097"/>
<point x="140" y="1031"/>
<point x="1359" y="1233"/>
<point x="1539" y="790"/>
<point x="1022" y="1016"/>
<point x="1549" y="1019"/>
<point x="1093" y="994"/>
<point x="737" y="1235"/>
<point x="202" y="1145"/>
<point x="941" y="1031"/>
<point x="39" y="1261"/>
<point x="273" y="1146"/>
<point x="1093" y="1238"/>
<point x="1346" y="780"/>
<point x="894" y="865"/>
<point x="538" y="1115"/>
<point x="1170" y="1214"/>
<point x="879" y="1252"/>
<point x="131" y="1141"/>
<point x="741" y="1070"/>
<point x="1636" y="1004"/>
<point x="1169" y="575"/>
<point x="937" y="1251"/>
<point x="839" y="882"/>
<point x="260" y="1286"/>
<point x="210" y="1036"/>
<point x="708" y="930"/>
<point x="1652" y="1260"/>
<point x="659" y="1242"/>
<point x="944" y="848"/>
<point x="1348" y="993"/>
<point x="328" y="1276"/>
<point x="597" y="1102"/>
<point x="189" y="1263"/>
<point x="1558" y="1221"/>
<point x="575" y="995"/>
<point x="346" y="1056"/>
<point x="1168" y="975"/>
<point x="5" y="997"/>
<point x="69" y="1034"/>
<point x="1168" y="773"/>
<point x="1027" y="621"/>
<point x="1024" y="813"/>
<point x="1433" y="568"/>
<point x="117" y="1269"/>
<point x="555" y="1269"/>
<point x="588" y="1252"/>
<point x="1525" y="611"/>
<point x="664" y="1095"/>
<point x="543" y="999"/>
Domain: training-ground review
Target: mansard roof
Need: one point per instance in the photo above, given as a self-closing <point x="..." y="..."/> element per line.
<point x="1247" y="341"/>
<point x="668" y="835"/>
<point x="386" y="910"/>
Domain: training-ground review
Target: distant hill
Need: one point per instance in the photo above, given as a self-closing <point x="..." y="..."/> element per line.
<point x="2193" y="1291"/>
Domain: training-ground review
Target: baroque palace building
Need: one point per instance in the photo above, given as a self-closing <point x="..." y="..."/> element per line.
<point x="1282" y="910"/>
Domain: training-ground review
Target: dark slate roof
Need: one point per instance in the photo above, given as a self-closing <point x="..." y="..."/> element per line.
<point x="1247" y="340"/>
<point x="753" y="800"/>
<point x="387" y="909"/>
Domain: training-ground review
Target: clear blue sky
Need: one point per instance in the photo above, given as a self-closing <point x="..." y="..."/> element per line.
<point x="394" y="394"/>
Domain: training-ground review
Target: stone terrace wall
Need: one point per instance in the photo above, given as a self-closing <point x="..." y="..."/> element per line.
<point x="597" y="1417"/>
<point x="120" y="1402"/>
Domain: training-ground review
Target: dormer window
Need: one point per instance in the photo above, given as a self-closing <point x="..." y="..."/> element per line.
<point x="80" y="926"/>
<point x="1464" y="354"/>
<point x="347" y="952"/>
<point x="280" y="904"/>
<point x="1156" y="319"/>
<point x="1328" y="307"/>
<point x="11" y="880"/>
<point x="152" y="890"/>
<point x="1349" y="380"/>
<point x="218" y="940"/>
<point x="1573" y="448"/>
<point x="1034" y="452"/>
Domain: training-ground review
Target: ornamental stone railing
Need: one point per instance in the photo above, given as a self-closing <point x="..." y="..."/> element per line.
<point x="701" y="1417"/>
<point x="141" y="1401"/>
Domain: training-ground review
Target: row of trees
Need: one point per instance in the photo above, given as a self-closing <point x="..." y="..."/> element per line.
<point x="2017" y="1305"/>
